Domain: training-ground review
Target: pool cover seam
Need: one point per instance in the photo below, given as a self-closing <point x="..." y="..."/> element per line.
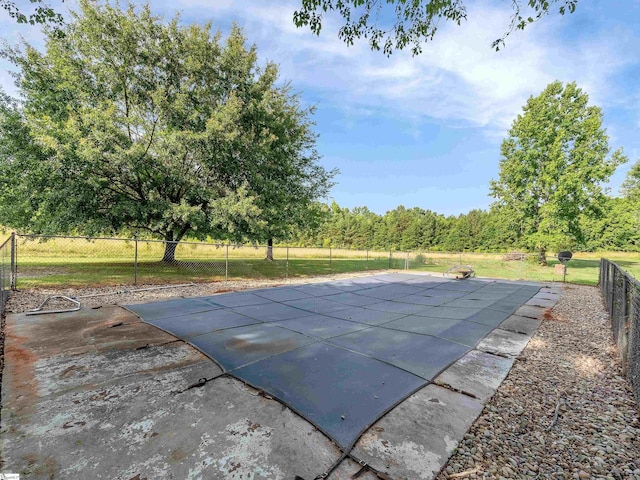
<point x="324" y="340"/>
<point x="316" y="341"/>
<point x="230" y="372"/>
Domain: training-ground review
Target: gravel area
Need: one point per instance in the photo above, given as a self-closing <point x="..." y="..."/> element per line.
<point x="27" y="299"/>
<point x="565" y="411"/>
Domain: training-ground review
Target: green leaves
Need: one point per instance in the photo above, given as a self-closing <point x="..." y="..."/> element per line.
<point x="41" y="14"/>
<point x="415" y="21"/>
<point x="398" y="24"/>
<point x="167" y="129"/>
<point x="553" y="164"/>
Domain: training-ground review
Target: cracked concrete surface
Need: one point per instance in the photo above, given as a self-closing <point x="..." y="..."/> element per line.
<point x="100" y="394"/>
<point x="96" y="402"/>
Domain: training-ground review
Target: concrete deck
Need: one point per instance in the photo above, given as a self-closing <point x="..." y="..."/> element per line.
<point x="99" y="394"/>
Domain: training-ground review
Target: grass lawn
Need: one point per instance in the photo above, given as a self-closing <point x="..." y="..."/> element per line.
<point x="582" y="269"/>
<point x="42" y="273"/>
<point x="81" y="262"/>
<point x="49" y="272"/>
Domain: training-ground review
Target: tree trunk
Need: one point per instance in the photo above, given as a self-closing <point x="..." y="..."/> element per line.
<point x="270" y="249"/>
<point x="172" y="239"/>
<point x="543" y="256"/>
<point x="169" y="252"/>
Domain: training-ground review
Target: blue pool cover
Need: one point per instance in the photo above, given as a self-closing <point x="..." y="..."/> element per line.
<point x="342" y="353"/>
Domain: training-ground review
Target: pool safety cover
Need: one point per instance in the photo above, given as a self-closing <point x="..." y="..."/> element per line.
<point x="342" y="353"/>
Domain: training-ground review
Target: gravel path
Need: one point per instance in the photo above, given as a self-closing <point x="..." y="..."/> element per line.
<point x="570" y="367"/>
<point x="30" y="298"/>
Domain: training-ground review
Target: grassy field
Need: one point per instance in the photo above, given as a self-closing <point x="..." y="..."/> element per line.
<point x="582" y="269"/>
<point x="78" y="262"/>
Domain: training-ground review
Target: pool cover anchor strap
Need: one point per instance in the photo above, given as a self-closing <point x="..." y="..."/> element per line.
<point x="335" y="465"/>
<point x="202" y="382"/>
<point x="365" y="467"/>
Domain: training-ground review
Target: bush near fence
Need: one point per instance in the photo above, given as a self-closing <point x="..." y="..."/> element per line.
<point x="621" y="293"/>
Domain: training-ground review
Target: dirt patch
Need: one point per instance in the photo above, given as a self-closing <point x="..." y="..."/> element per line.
<point x="24" y="360"/>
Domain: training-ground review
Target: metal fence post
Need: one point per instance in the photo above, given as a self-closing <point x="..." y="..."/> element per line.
<point x="613" y="294"/>
<point x="135" y="261"/>
<point x="330" y="260"/>
<point x="287" y="263"/>
<point x="226" y="264"/>
<point x="625" y="306"/>
<point x="389" y="259"/>
<point x="600" y="273"/>
<point x="367" y="263"/>
<point x="14" y="266"/>
<point x="521" y="265"/>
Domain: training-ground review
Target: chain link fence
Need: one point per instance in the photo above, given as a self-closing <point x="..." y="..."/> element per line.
<point x="621" y="293"/>
<point x="7" y="269"/>
<point x="85" y="261"/>
<point x="55" y="261"/>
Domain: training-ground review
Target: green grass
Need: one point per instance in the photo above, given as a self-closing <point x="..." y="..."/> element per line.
<point x="583" y="269"/>
<point x="43" y="273"/>
<point x="79" y="262"/>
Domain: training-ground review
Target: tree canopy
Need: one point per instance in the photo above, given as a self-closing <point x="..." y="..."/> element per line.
<point x="397" y="24"/>
<point x="42" y="13"/>
<point x="553" y="164"/>
<point x="137" y="123"/>
<point x="631" y="185"/>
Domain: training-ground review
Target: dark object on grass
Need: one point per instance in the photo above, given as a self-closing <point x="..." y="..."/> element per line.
<point x="461" y="272"/>
<point x="564" y="256"/>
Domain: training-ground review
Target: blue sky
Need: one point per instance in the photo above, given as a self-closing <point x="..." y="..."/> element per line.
<point x="425" y="131"/>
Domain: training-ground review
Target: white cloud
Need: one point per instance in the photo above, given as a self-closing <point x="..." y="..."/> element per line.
<point x="459" y="79"/>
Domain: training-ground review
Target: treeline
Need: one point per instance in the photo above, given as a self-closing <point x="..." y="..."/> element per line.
<point x="549" y="195"/>
<point x="616" y="227"/>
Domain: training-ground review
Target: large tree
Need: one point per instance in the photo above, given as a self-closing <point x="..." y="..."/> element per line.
<point x="631" y="185"/>
<point x="154" y="126"/>
<point x="25" y="172"/>
<point x="390" y="25"/>
<point x="554" y="161"/>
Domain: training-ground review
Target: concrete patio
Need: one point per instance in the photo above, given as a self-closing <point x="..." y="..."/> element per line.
<point x="100" y="394"/>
